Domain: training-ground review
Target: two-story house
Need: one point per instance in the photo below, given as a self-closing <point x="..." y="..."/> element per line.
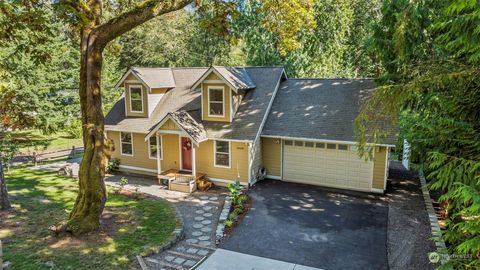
<point x="228" y="122"/>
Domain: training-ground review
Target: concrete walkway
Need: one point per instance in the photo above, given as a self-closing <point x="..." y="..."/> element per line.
<point x="223" y="259"/>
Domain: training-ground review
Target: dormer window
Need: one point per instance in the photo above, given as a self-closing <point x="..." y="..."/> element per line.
<point x="136" y="99"/>
<point x="216" y="105"/>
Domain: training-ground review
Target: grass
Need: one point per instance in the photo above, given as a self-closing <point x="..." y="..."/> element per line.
<point x="33" y="140"/>
<point x="40" y="199"/>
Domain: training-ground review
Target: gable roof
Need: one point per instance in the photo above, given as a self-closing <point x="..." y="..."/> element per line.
<point x="322" y="109"/>
<point x="236" y="77"/>
<point x="245" y="125"/>
<point x="185" y="122"/>
<point x="151" y="77"/>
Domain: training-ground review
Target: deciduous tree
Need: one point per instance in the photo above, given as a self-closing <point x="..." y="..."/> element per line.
<point x="96" y="31"/>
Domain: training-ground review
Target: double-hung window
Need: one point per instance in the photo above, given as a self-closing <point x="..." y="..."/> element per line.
<point x="222" y="154"/>
<point x="152" y="147"/>
<point x="126" y="144"/>
<point x="215" y="101"/>
<point x="136" y="99"/>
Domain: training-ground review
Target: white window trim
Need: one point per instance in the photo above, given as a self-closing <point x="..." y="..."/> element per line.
<point x="215" y="154"/>
<point x="216" y="87"/>
<point x="130" y="97"/>
<point x="159" y="139"/>
<point x="131" y="142"/>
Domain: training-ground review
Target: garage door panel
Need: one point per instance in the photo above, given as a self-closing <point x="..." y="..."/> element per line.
<point x="327" y="167"/>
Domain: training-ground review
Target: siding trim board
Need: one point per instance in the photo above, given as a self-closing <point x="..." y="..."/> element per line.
<point x="127" y="167"/>
<point x="323" y="140"/>
<point x="128" y="73"/>
<point x="206" y="74"/>
<point x="219" y="180"/>
<point x="180" y="132"/>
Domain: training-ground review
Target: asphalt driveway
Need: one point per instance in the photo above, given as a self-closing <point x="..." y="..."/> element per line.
<point x="313" y="226"/>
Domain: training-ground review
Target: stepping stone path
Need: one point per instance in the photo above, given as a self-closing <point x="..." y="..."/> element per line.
<point x="199" y="237"/>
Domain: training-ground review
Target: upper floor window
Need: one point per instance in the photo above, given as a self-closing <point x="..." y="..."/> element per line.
<point x="136" y="99"/>
<point x="215" y="101"/>
<point x="126" y="144"/>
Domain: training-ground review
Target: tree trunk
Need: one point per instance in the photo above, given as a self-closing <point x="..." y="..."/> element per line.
<point x="90" y="202"/>
<point x="92" y="195"/>
<point x="4" y="202"/>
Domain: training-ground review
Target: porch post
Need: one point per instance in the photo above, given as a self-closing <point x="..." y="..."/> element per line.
<point x="194" y="162"/>
<point x="159" y="163"/>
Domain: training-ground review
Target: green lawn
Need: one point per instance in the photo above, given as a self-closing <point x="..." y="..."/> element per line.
<point x="32" y="140"/>
<point x="129" y="227"/>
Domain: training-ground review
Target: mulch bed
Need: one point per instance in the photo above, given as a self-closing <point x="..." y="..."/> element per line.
<point x="246" y="207"/>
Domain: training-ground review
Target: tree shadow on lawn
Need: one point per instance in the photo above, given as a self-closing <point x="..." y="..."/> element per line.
<point x="128" y="227"/>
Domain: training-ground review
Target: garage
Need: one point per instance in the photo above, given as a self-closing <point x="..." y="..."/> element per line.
<point x="326" y="164"/>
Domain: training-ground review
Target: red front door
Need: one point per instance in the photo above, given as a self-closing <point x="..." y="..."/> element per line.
<point x="186" y="145"/>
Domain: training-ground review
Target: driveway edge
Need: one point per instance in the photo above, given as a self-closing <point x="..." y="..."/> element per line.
<point x="435" y="226"/>
<point x="221" y="220"/>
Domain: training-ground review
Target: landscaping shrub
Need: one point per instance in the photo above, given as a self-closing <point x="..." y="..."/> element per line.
<point x="233" y="216"/>
<point x="228" y="223"/>
<point x="237" y="211"/>
<point x="74" y="129"/>
<point x="113" y="165"/>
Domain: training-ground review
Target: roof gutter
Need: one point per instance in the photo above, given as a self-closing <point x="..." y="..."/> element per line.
<point x="323" y="140"/>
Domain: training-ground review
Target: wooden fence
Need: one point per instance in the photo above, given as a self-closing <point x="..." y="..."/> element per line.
<point x="59" y="154"/>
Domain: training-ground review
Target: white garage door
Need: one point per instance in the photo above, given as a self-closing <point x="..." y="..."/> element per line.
<point x="332" y="165"/>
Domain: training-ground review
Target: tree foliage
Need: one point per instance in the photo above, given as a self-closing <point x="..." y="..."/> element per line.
<point x="431" y="87"/>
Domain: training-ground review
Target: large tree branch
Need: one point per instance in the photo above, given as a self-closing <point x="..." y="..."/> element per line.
<point x="80" y="9"/>
<point x="135" y="17"/>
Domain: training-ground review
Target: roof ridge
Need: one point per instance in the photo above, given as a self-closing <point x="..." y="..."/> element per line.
<point x="278" y="66"/>
<point x="331" y="79"/>
<point x="166" y="68"/>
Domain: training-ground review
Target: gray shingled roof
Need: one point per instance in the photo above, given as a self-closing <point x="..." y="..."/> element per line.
<point x="155" y="77"/>
<point x="246" y="122"/>
<point x="318" y="108"/>
<point x="189" y="125"/>
<point x="237" y="77"/>
<point x="251" y="111"/>
<point x="173" y="100"/>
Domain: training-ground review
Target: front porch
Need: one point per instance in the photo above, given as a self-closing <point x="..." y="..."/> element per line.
<point x="184" y="181"/>
<point x="174" y="142"/>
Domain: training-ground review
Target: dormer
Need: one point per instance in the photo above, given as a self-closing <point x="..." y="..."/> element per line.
<point x="222" y="89"/>
<point x="144" y="88"/>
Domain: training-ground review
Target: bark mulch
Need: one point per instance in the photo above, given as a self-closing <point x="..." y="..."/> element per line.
<point x="409" y="232"/>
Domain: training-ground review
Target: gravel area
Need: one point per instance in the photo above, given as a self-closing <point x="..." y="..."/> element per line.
<point x="409" y="233"/>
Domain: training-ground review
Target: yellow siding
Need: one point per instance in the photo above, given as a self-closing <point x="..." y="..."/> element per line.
<point x="140" y="156"/>
<point x="131" y="77"/>
<point x="127" y="100"/>
<point x="171" y="152"/>
<point x="169" y="125"/>
<point x="272" y="156"/>
<point x="239" y="159"/>
<point x="159" y="90"/>
<point x="379" y="168"/>
<point x="227" y="98"/>
<point x="212" y="76"/>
